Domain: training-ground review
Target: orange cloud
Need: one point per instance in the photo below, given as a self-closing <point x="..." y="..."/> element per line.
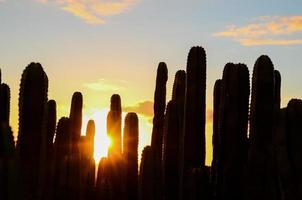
<point x="266" y="31"/>
<point x="105" y="85"/>
<point x="93" y="11"/>
<point x="144" y="108"/>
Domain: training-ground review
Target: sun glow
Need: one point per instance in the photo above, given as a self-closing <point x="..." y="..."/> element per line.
<point x="102" y="141"/>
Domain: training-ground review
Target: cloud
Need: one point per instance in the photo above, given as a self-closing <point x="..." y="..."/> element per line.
<point x="144" y="108"/>
<point x="104" y="85"/>
<point x="93" y="11"/>
<point x="267" y="30"/>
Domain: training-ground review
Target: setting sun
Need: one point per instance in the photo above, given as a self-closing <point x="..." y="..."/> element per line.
<point x="102" y="141"/>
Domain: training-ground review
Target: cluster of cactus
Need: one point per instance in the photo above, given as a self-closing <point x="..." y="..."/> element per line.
<point x="53" y="160"/>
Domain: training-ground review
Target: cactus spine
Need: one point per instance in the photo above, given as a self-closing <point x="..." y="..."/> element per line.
<point x="32" y="104"/>
<point x="261" y="169"/>
<point x="131" y="155"/>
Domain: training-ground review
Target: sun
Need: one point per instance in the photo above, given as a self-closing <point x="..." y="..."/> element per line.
<point x="101" y="140"/>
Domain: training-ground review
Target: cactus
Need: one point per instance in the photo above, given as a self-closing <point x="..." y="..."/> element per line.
<point x="131" y="155"/>
<point x="146" y="175"/>
<point x="232" y="129"/>
<point x="4" y="103"/>
<point x="216" y="142"/>
<point x="103" y="190"/>
<point x="171" y="153"/>
<point x="32" y="104"/>
<point x="294" y="138"/>
<point x="197" y="184"/>
<point x="194" y="138"/>
<point x="51" y="118"/>
<point x="261" y="177"/>
<point x="61" y="151"/>
<point x="173" y="137"/>
<point x="88" y="162"/>
<point x="158" y="125"/>
<point x="8" y="164"/>
<point x="114" y="126"/>
<point x="74" y="163"/>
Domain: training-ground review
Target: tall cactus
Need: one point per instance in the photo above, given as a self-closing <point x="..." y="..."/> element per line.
<point x="74" y="151"/>
<point x="61" y="149"/>
<point x="32" y="103"/>
<point x="103" y="189"/>
<point x="131" y="155"/>
<point x="216" y="142"/>
<point x="261" y="177"/>
<point x="173" y="138"/>
<point x="294" y="146"/>
<point x="51" y="121"/>
<point x="88" y="162"/>
<point x="4" y="103"/>
<point x="114" y="126"/>
<point x="171" y="153"/>
<point x="232" y="129"/>
<point x="194" y="139"/>
<point x="146" y="175"/>
<point x="158" y="125"/>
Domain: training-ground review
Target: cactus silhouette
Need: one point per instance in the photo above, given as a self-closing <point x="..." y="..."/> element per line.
<point x="103" y="188"/>
<point x="51" y="121"/>
<point x="216" y="142"/>
<point x="130" y="154"/>
<point x="158" y="125"/>
<point x="74" y="163"/>
<point x="4" y="103"/>
<point x="114" y="126"/>
<point x="194" y="139"/>
<point x="146" y="175"/>
<point x="88" y="162"/>
<point x="173" y="138"/>
<point x="32" y="104"/>
<point x="294" y="138"/>
<point x="61" y="150"/>
<point x="261" y="169"/>
<point x="232" y="129"/>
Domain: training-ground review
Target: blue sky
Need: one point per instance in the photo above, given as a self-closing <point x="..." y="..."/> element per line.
<point x="102" y="47"/>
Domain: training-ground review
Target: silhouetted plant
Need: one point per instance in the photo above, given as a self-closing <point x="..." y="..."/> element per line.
<point x="114" y="126"/>
<point x="261" y="176"/>
<point x="158" y="125"/>
<point x="4" y="103"/>
<point x="51" y="121"/>
<point x="131" y="155"/>
<point x="146" y="175"/>
<point x="103" y="188"/>
<point x="61" y="148"/>
<point x="32" y="104"/>
<point x="232" y="129"/>
<point x="173" y="138"/>
<point x="194" y="138"/>
<point x="216" y="142"/>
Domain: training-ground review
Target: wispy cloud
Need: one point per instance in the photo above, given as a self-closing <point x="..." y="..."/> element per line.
<point x="104" y="85"/>
<point x="267" y="30"/>
<point x="93" y="11"/>
<point x="144" y="108"/>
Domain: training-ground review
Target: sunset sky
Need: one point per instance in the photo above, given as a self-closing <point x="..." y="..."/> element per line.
<point x="102" y="47"/>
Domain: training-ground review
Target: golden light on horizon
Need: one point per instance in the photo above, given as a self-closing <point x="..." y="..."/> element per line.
<point x="102" y="141"/>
